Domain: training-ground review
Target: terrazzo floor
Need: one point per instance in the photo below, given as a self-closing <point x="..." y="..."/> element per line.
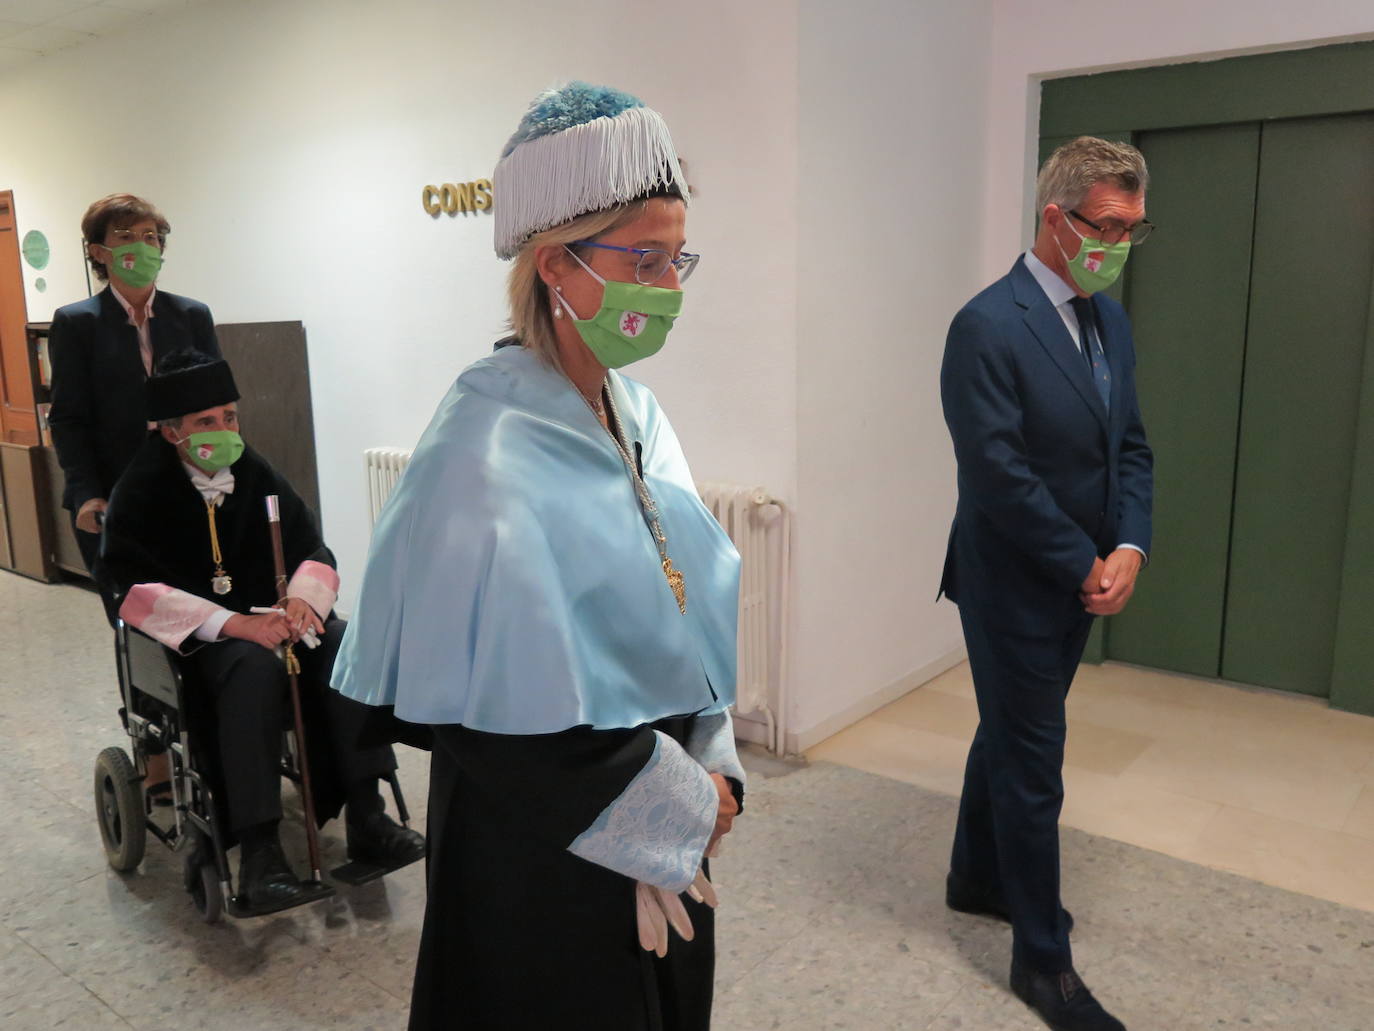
<point x="832" y="909"/>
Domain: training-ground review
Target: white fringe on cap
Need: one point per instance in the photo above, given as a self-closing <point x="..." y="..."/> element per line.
<point x="552" y="179"/>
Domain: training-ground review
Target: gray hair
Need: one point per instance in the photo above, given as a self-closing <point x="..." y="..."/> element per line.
<point x="1077" y="166"/>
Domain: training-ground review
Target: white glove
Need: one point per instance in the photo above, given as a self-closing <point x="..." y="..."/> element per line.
<point x="657" y="909"/>
<point x="703" y="890"/>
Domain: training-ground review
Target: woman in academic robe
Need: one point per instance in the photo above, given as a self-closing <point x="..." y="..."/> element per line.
<point x="547" y="591"/>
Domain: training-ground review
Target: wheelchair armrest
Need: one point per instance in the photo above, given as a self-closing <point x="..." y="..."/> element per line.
<point x="152" y="667"/>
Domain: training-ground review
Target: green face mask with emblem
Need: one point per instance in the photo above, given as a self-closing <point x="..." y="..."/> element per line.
<point x="136" y="263"/>
<point x="214" y="450"/>
<point x="1097" y="265"/>
<point x="633" y="321"/>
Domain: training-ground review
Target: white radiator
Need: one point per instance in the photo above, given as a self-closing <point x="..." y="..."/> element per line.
<point x="384" y="468"/>
<point x="760" y="527"/>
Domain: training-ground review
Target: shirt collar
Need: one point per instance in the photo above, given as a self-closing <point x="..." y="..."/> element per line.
<point x="129" y="308"/>
<point x="1058" y="291"/>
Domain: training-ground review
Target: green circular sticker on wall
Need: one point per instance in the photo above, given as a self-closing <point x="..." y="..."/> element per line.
<point x="40" y="284"/>
<point x="35" y="248"/>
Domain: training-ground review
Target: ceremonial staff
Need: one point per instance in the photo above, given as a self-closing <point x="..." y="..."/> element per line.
<point x="293" y="668"/>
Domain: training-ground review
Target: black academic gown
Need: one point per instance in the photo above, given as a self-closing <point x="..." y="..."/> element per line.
<point x="503" y="811"/>
<point x="157" y="531"/>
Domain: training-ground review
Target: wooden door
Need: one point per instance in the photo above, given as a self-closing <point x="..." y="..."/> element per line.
<point x="17" y="423"/>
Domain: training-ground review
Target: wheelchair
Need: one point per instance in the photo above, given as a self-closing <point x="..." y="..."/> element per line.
<point x="157" y="718"/>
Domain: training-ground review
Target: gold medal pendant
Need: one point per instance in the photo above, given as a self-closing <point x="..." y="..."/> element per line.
<point x="678" y="583"/>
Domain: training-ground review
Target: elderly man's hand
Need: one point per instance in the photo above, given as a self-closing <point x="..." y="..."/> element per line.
<point x="85" y="516"/>
<point x="269" y="629"/>
<point x="1116" y="583"/>
<point x="301" y="617"/>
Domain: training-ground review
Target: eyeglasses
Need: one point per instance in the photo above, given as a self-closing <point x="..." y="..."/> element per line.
<point x="123" y="237"/>
<point x="1115" y="232"/>
<point x="653" y="265"/>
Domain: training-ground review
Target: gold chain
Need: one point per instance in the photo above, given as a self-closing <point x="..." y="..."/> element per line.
<point x="647" y="506"/>
<point x="221" y="582"/>
<point x="214" y="540"/>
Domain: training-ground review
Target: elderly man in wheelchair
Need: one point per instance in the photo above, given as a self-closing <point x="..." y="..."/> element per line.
<point x="188" y="554"/>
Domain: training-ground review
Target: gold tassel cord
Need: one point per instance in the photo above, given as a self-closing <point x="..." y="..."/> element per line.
<point x="221" y="582"/>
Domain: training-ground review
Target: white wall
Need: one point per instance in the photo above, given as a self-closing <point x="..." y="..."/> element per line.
<point x="861" y="171"/>
<point x="288" y="141"/>
<point x="892" y="93"/>
<point x="1033" y="40"/>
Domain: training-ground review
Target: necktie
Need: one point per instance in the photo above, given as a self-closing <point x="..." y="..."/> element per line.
<point x="1092" y="349"/>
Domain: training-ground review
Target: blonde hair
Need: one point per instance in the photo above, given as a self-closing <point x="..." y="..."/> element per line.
<point x="531" y="308"/>
<point x="1077" y="166"/>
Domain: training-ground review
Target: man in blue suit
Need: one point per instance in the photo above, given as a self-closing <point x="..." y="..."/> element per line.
<point x="1052" y="526"/>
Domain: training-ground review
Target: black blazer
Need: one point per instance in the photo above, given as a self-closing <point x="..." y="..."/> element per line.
<point x="99" y="415"/>
<point x="1049" y="480"/>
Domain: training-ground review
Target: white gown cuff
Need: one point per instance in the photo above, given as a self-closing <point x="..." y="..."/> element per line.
<point x="212" y="627"/>
<point x="658" y="828"/>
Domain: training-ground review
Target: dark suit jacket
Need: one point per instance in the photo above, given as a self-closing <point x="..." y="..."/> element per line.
<point x="1048" y="479"/>
<point x="99" y="416"/>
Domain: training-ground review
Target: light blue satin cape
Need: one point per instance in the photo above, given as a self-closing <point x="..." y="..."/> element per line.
<point x="512" y="585"/>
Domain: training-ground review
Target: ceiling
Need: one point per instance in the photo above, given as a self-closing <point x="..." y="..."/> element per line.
<point x="32" y="29"/>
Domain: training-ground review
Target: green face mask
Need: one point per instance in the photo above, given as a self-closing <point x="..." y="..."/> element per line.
<point x="214" y="450"/>
<point x="633" y="322"/>
<point x="1097" y="265"/>
<point x="136" y="263"/>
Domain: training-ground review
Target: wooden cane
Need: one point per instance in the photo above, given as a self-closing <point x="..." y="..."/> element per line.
<point x="292" y="669"/>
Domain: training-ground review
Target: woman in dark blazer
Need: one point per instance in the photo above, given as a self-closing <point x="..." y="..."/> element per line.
<point x="102" y="349"/>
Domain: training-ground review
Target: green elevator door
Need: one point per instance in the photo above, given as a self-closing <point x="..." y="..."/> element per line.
<point x="1309" y="317"/>
<point x="1251" y="309"/>
<point x="1188" y="294"/>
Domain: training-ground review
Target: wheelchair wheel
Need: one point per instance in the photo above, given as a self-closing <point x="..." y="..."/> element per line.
<point x="206" y="894"/>
<point x="119" y="808"/>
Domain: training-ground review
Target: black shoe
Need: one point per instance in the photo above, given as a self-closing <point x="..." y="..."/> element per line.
<point x="380" y="839"/>
<point x="266" y="880"/>
<point x="1062" y="1000"/>
<point x="961" y="897"/>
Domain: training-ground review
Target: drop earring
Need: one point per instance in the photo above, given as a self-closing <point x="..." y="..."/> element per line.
<point x="558" y="304"/>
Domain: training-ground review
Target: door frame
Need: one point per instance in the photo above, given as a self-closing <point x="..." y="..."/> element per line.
<point x="1300" y="83"/>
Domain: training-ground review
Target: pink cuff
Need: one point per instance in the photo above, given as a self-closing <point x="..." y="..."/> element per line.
<point x="165" y="613"/>
<point x="317" y="585"/>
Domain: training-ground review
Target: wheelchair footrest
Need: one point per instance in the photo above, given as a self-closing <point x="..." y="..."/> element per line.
<point x="314" y="891"/>
<point x="360" y="871"/>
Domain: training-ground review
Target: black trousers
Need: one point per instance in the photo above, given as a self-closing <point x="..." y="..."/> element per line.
<point x="252" y="704"/>
<point x="1007" y="839"/>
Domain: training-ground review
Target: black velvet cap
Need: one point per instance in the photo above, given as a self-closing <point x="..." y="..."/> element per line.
<point x="180" y="392"/>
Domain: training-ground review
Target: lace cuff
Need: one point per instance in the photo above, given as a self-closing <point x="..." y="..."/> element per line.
<point x="712" y="743"/>
<point x="658" y="828"/>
